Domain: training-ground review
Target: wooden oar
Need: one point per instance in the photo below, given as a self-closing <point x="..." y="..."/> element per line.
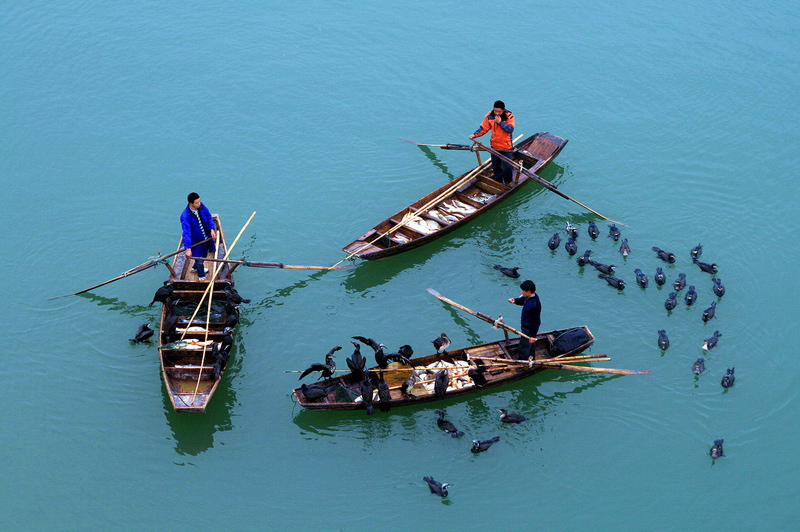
<point x="480" y="315"/>
<point x="546" y="184"/>
<point x="140" y="268"/>
<point x="463" y="147"/>
<point x="279" y="265"/>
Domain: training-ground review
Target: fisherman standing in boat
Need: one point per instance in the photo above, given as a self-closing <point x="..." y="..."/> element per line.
<point x="198" y="225"/>
<point x="501" y="123"/>
<point x="531" y="317"/>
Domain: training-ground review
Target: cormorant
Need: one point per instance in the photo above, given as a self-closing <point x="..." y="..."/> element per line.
<point x="441" y="382"/>
<point x="367" y="391"/>
<point x="709" y="343"/>
<point x="660" y="278"/>
<point x="478" y="446"/>
<point x="510" y="272"/>
<point x="619" y="284"/>
<point x="607" y="269"/>
<point x="572" y="231"/>
<point x="641" y="278"/>
<point x="613" y="232"/>
<point x="716" y="449"/>
<point x="554" y="241"/>
<point x="356" y="362"/>
<point x="624" y="248"/>
<point x="691" y="296"/>
<point x="505" y="417"/>
<point x="162" y="294"/>
<point x="571" y="246"/>
<point x="728" y="379"/>
<point x="314" y="392"/>
<point x="680" y="282"/>
<point x="441" y="343"/>
<point x="447" y="426"/>
<point x="710" y="311"/>
<point x="665" y="256"/>
<point x="706" y="267"/>
<point x="476" y="374"/>
<point x="384" y="395"/>
<point x="437" y="487"/>
<point x="143" y="333"/>
<point x="583" y="260"/>
<point x="663" y="341"/>
<point x="697" y="251"/>
<point x="719" y="288"/>
<point x="327" y="369"/>
<point x="699" y="366"/>
<point x="672" y="301"/>
<point x="594" y="232"/>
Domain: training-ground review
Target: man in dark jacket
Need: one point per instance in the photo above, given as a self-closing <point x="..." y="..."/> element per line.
<point x="531" y="316"/>
<point x="197" y="225"/>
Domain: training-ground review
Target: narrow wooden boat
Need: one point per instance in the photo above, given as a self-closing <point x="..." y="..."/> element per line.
<point x="499" y="359"/>
<point x="454" y="204"/>
<point x="190" y="365"/>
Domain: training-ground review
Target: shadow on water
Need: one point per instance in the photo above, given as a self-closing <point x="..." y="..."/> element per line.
<point x="436" y="162"/>
<point x="481" y="408"/>
<point x="119" y="305"/>
<point x="276" y="298"/>
<point x="194" y="432"/>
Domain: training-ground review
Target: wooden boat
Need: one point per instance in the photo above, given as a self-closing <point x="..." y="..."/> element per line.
<point x="454" y="204"/>
<point x="458" y="362"/>
<point x="190" y="366"/>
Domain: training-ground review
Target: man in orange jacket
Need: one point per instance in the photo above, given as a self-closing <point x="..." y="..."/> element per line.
<point x="501" y="123"/>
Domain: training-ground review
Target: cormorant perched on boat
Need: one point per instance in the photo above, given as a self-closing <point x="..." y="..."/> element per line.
<point x="664" y="255"/>
<point x="594" y="232"/>
<point x="641" y="278"/>
<point x="699" y="366"/>
<point x="367" y="390"/>
<point x="505" y="417"/>
<point x="441" y="343"/>
<point x="719" y="288"/>
<point x="327" y="369"/>
<point x="384" y="395"/>
<point x="571" y="246"/>
<point x="476" y="374"/>
<point x="231" y="315"/>
<point x="380" y="354"/>
<point x="607" y="269"/>
<point x="437" y="487"/>
<point x="219" y="355"/>
<point x="613" y="232"/>
<point x="408" y="385"/>
<point x="663" y="341"/>
<point x="710" y="311"/>
<point x="144" y="332"/>
<point x="478" y="446"/>
<point x="572" y="231"/>
<point x="168" y="326"/>
<point x="729" y="378"/>
<point x="217" y="369"/>
<point x="716" y="449"/>
<point x="619" y="284"/>
<point x="441" y="382"/>
<point x="407" y="351"/>
<point x="691" y="296"/>
<point x="510" y="272"/>
<point x="624" y="248"/>
<point x="672" y="301"/>
<point x="314" y="392"/>
<point x="660" y="277"/>
<point x="706" y="267"/>
<point x="357" y="362"/>
<point x="680" y="282"/>
<point x="162" y="294"/>
<point x="709" y="343"/>
<point x="697" y="251"/>
<point x="554" y="241"/>
<point x="583" y="260"/>
<point x="233" y="295"/>
<point x="447" y="426"/>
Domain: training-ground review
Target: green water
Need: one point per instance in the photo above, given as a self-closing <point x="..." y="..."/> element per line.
<point x="682" y="124"/>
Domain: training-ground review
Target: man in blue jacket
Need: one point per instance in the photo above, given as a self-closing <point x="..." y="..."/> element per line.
<point x="198" y="225"/>
<point x="531" y="317"/>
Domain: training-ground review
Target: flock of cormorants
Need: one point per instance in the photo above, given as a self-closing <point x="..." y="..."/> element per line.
<point x="690" y="298"/>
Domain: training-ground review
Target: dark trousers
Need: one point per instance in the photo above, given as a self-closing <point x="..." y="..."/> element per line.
<point x="501" y="169"/>
<point x="525" y="348"/>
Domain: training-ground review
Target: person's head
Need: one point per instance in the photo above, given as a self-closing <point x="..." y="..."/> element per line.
<point x="499" y="109"/>
<point x="194" y="200"/>
<point x="528" y="287"/>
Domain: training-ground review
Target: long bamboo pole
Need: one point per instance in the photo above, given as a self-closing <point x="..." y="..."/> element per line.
<point x="479" y="315"/>
<point x="214" y="272"/>
<point x="546" y="184"/>
<point x="279" y="265"/>
<point x="140" y="268"/>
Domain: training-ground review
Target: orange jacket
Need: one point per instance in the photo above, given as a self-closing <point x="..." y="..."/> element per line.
<point x="501" y="133"/>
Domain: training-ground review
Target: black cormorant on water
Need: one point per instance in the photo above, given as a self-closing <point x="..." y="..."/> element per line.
<point x="619" y="284"/>
<point x="728" y="379"/>
<point x="706" y="267"/>
<point x="144" y="332"/>
<point x="437" y="487"/>
<point x="447" y="426"/>
<point x="710" y="311"/>
<point x="699" y="366"/>
<point x="505" y="417"/>
<point x="710" y="343"/>
<point x="594" y="232"/>
<point x="510" y="272"/>
<point x="663" y="341"/>
<point x="478" y="446"/>
<point x="716" y="449"/>
<point x="664" y="255"/>
<point x="660" y="277"/>
<point x="554" y="241"/>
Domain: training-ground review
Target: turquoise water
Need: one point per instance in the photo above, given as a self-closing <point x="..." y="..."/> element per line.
<point x="682" y="124"/>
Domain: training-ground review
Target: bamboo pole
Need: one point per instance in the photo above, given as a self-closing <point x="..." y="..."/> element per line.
<point x="279" y="265"/>
<point x="480" y="315"/>
<point x="215" y="268"/>
<point x="546" y="184"/>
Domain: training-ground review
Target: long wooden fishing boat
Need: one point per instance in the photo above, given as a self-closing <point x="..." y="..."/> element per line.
<point x="454" y="204"/>
<point x="498" y="359"/>
<point x="194" y="353"/>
